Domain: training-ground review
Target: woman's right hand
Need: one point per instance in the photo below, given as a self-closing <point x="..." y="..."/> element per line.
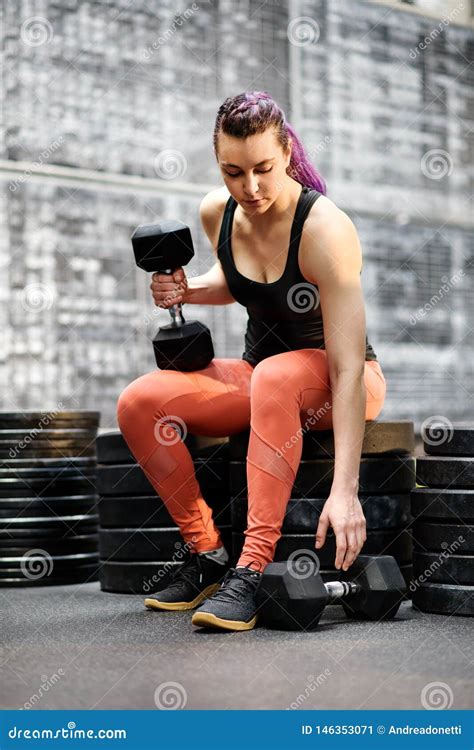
<point x="168" y="288"/>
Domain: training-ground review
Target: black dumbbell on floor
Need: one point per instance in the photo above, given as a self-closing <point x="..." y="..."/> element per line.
<point x="163" y="247"/>
<point x="293" y="599"/>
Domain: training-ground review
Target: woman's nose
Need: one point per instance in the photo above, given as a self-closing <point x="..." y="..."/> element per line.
<point x="251" y="187"/>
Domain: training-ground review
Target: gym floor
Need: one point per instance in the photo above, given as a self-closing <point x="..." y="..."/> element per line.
<point x="95" y="650"/>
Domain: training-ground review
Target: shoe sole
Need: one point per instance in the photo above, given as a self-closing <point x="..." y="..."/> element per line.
<point x="183" y="606"/>
<point x="207" y="620"/>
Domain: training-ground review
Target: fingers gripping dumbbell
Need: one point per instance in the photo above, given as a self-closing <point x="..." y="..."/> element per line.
<point x="371" y="590"/>
<point x="163" y="247"/>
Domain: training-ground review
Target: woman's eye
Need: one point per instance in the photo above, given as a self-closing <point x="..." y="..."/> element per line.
<point x="261" y="171"/>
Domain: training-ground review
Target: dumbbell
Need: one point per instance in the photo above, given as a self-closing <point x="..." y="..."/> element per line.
<point x="163" y="247"/>
<point x="290" y="599"/>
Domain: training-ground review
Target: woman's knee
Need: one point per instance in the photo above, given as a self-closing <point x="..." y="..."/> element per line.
<point x="142" y="395"/>
<point x="266" y="377"/>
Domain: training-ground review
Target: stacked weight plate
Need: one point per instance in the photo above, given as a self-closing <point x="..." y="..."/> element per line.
<point x="387" y="474"/>
<point x="443" y="528"/>
<point x="48" y="502"/>
<point x="140" y="545"/>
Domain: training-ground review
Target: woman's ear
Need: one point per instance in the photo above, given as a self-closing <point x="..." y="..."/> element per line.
<point x="288" y="152"/>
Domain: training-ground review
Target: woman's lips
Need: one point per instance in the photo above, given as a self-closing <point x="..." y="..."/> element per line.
<point x="253" y="203"/>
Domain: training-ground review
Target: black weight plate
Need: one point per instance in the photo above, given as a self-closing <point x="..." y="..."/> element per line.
<point x="388" y="438"/>
<point x="436" y="567"/>
<point x="442" y="471"/>
<point x="146" y="544"/>
<point x="136" y="512"/>
<point x="33" y="507"/>
<point x="455" y="538"/>
<point x="302" y="515"/>
<point x="444" y="599"/>
<point x="394" y="474"/>
<point x="113" y="449"/>
<point x="442" y="504"/>
<point x="136" y="577"/>
<point x="455" y="439"/>
<point x="10" y="527"/>
<point x="79" y="544"/>
<point x="78" y="574"/>
<point x="51" y="452"/>
<point x="36" y="558"/>
<point x="396" y="542"/>
<point x="79" y="464"/>
<point x="45" y="475"/>
<point x="26" y="420"/>
<point x="7" y="446"/>
<point x="28" y="487"/>
<point x="44" y="435"/>
<point x="129" y="479"/>
<point x="30" y="540"/>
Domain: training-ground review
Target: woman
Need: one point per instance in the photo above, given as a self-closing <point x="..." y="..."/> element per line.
<point x="286" y="252"/>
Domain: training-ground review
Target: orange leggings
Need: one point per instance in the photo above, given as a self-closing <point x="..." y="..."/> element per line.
<point x="278" y="397"/>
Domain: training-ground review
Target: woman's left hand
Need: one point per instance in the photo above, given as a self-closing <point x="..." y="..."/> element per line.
<point x="343" y="512"/>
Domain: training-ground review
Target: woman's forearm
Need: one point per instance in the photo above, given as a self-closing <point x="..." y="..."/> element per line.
<point x="348" y="418"/>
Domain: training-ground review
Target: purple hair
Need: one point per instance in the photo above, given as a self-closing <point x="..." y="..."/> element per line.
<point x="253" y="112"/>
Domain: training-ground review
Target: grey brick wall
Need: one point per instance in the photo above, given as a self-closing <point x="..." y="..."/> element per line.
<point x="108" y="124"/>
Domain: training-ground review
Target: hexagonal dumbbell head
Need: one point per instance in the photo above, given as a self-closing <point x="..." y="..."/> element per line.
<point x="379" y="588"/>
<point x="185" y="348"/>
<point x="289" y="598"/>
<point x="162" y="246"/>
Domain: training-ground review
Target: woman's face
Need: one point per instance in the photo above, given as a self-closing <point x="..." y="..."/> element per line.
<point x="253" y="168"/>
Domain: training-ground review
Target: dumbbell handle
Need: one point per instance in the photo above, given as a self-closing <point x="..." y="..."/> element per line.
<point x="340" y="589"/>
<point x="176" y="312"/>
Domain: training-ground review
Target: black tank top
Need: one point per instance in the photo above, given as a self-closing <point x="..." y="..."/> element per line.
<point x="285" y="314"/>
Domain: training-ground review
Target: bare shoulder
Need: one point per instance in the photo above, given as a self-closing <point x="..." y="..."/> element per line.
<point x="328" y="234"/>
<point x="211" y="211"/>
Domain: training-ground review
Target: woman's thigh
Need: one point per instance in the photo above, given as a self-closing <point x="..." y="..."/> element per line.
<point x="321" y="401"/>
<point x="214" y="401"/>
<point x="305" y="372"/>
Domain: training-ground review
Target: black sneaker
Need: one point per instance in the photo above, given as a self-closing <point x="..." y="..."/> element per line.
<point x="195" y="580"/>
<point x="233" y="607"/>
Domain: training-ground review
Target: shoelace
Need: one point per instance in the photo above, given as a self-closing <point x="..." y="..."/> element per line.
<point x="236" y="582"/>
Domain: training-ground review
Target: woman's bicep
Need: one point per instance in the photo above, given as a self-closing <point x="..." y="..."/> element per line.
<point x="333" y="261"/>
